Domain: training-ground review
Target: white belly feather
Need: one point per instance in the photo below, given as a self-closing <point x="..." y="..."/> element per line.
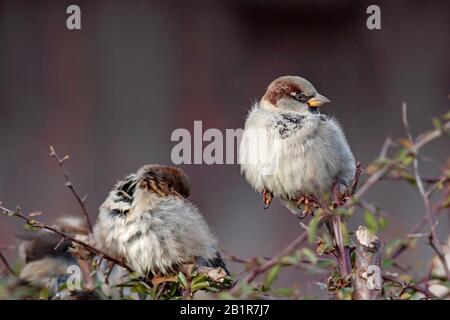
<point x="292" y="157"/>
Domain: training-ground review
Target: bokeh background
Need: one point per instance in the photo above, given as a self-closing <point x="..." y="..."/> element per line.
<point x="111" y="94"/>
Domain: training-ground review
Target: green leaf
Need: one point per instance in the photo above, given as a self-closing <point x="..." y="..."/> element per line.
<point x="272" y="276"/>
<point x="388" y="263"/>
<point x="406" y="296"/>
<point x="199" y="278"/>
<point x="285" y="292"/>
<point x="408" y="160"/>
<point x="344" y="294"/>
<point x="226" y="296"/>
<point x="44" y="294"/>
<point x="437" y="123"/>
<point x="446" y="203"/>
<point x="446" y="116"/>
<point x="371" y="221"/>
<point x="345" y="235"/>
<point x="392" y="245"/>
<point x="200" y="286"/>
<point x="383" y="223"/>
<point x="310" y="255"/>
<point x="313" y="226"/>
<point x="182" y="279"/>
<point x="401" y="154"/>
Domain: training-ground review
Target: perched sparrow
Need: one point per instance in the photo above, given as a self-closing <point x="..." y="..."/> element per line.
<point x="46" y="259"/>
<point x="147" y="221"/>
<point x="289" y="149"/>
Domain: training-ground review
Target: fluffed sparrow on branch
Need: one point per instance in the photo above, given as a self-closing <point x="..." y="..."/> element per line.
<point x="148" y="222"/>
<point x="289" y="149"/>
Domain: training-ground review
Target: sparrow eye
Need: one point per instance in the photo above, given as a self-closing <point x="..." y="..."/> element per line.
<point x="300" y="97"/>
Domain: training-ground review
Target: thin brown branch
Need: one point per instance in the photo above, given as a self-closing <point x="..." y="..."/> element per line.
<point x="371" y="208"/>
<point x="342" y="256"/>
<point x="421" y="141"/>
<point x="431" y="135"/>
<point x="40" y="225"/>
<point x="356" y="179"/>
<point x="427" y="180"/>
<point x="81" y="200"/>
<point x="376" y="177"/>
<point x="234" y="258"/>
<point x="384" y="149"/>
<point x="274" y="260"/>
<point x="434" y="243"/>
<point x="434" y="240"/>
<point x="405" y="246"/>
<point x="402" y="284"/>
<point x="7" y="265"/>
<point x="406" y="123"/>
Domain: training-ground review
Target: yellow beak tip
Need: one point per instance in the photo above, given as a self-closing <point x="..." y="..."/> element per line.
<point x="317" y="101"/>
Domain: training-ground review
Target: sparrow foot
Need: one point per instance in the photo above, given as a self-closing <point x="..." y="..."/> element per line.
<point x="267" y="198"/>
<point x="339" y="196"/>
<point x="309" y="202"/>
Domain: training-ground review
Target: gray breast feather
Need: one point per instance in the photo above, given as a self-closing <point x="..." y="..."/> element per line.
<point x="287" y="123"/>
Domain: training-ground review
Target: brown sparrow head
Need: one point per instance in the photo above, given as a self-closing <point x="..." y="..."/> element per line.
<point x="292" y="93"/>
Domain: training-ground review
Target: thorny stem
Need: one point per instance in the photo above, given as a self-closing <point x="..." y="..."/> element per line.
<point x="274" y="260"/>
<point x="7" y="265"/>
<point x="358" y="172"/>
<point x="434" y="240"/>
<point x="420" y="142"/>
<point x="408" y="285"/>
<point x="334" y="229"/>
<point x="69" y="184"/>
<point x="343" y="258"/>
<point x="404" y="246"/>
<point x="41" y="225"/>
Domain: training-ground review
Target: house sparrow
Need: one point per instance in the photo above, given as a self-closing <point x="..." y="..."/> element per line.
<point x="47" y="257"/>
<point x="147" y="221"/>
<point x="292" y="151"/>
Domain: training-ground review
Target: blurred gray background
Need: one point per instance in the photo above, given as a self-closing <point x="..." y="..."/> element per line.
<point x="111" y="94"/>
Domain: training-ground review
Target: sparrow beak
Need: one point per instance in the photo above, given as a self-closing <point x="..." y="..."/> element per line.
<point x="317" y="101"/>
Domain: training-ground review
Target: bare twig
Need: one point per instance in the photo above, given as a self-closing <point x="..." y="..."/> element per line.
<point x="402" y="284"/>
<point x="69" y="184"/>
<point x="234" y="258"/>
<point x="370" y="207"/>
<point x="434" y="240"/>
<point x="399" y="178"/>
<point x="405" y="246"/>
<point x="108" y="272"/>
<point x="7" y="265"/>
<point x="343" y="257"/>
<point x="376" y="177"/>
<point x="421" y="141"/>
<point x="431" y="135"/>
<point x="59" y="243"/>
<point x="334" y="228"/>
<point x="274" y="260"/>
<point x="161" y="290"/>
<point x="356" y="179"/>
<point x="384" y="149"/>
<point x="41" y="225"/>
